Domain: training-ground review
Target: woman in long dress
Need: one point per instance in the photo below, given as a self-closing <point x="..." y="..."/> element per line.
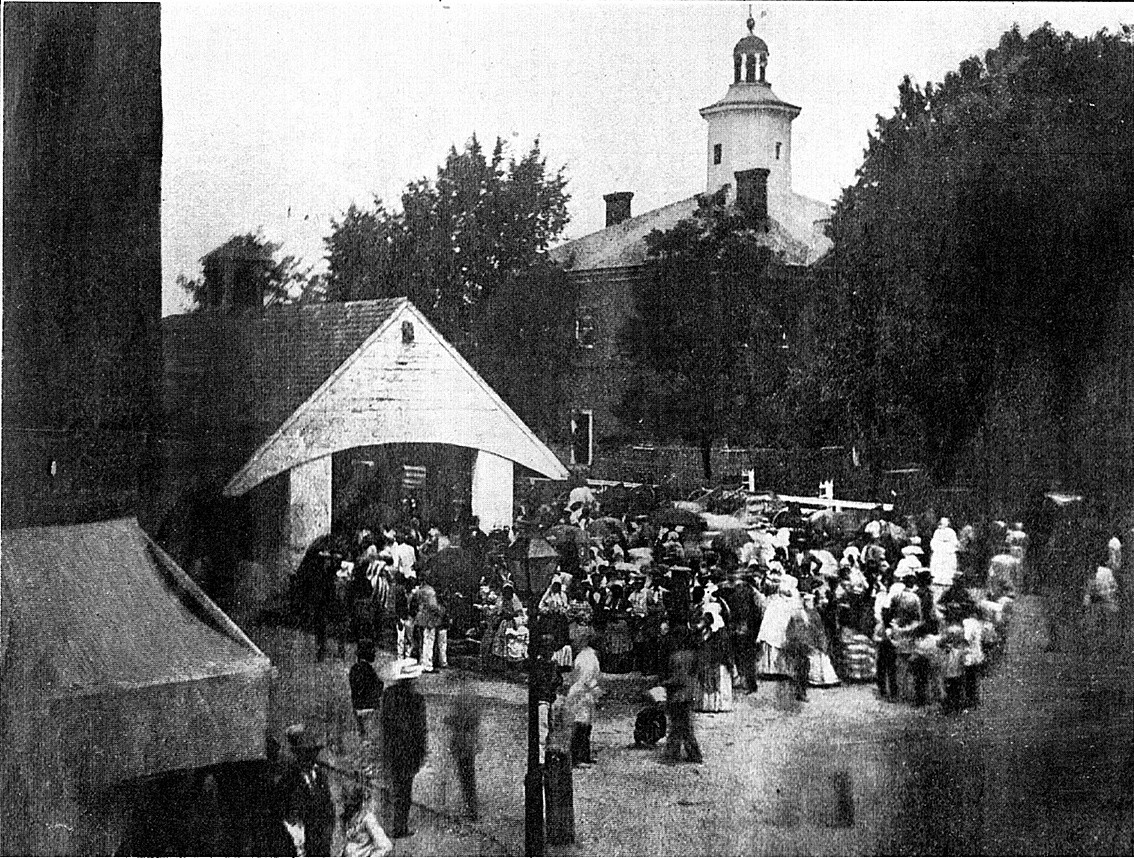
<point x="821" y="672"/>
<point x="781" y="605"/>
<point x="616" y="641"/>
<point x="714" y="662"/>
<point x="943" y="556"/>
<point x="553" y="608"/>
<point x="507" y="609"/>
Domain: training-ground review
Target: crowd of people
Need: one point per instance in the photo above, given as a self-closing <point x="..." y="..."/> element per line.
<point x="920" y="608"/>
<point x="789" y="601"/>
<point x="920" y="611"/>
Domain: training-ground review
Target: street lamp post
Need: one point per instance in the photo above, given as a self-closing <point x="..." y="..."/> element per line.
<point x="533" y="552"/>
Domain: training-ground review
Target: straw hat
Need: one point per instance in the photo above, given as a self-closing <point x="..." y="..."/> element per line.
<point x="400" y="669"/>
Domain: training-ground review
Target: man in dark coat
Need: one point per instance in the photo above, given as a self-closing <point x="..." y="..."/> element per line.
<point x="744" y="624"/>
<point x="404" y="740"/>
<point x="306" y="794"/>
<point x="365" y="686"/>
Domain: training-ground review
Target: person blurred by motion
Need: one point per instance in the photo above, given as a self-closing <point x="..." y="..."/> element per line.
<point x="464" y="742"/>
<point x="559" y="790"/>
<point x="404" y="742"/>
<point x="428" y="616"/>
<point x="681" y="688"/>
<point x="582" y="695"/>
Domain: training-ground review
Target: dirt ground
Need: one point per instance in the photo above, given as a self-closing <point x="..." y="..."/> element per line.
<point x="1043" y="766"/>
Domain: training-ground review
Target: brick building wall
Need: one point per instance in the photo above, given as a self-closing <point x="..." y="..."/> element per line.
<point x="82" y="257"/>
<point x="599" y="375"/>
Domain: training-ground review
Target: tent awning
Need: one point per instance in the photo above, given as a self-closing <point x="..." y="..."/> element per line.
<point x="112" y="647"/>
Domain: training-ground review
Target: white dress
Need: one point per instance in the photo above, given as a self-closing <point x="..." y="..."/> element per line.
<point x="780" y="608"/>
<point x="943" y="560"/>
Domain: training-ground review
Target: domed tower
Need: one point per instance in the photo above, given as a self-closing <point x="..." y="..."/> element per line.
<point x="750" y="128"/>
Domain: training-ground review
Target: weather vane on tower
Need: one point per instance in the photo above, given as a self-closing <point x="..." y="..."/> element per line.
<point x="751" y="22"/>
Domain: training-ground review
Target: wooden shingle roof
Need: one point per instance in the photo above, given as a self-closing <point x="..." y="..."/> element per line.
<point x="251" y="369"/>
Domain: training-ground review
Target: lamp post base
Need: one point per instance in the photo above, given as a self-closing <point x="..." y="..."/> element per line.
<point x="533" y="811"/>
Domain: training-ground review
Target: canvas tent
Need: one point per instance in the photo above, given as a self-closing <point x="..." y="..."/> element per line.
<point x="116" y="667"/>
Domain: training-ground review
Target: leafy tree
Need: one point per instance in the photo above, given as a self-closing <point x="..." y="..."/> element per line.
<point x="246" y="272"/>
<point x="469" y="249"/>
<point x="988" y="232"/>
<point x="698" y="328"/>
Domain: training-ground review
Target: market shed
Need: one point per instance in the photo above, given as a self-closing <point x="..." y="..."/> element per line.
<point x="273" y="394"/>
<point x="116" y="668"/>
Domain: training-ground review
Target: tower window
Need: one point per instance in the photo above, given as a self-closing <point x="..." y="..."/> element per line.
<point x="778" y="145"/>
<point x="585" y="329"/>
<point x="717" y="153"/>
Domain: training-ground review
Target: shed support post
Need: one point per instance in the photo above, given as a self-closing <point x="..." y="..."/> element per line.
<point x="309" y="507"/>
<point x="492" y="491"/>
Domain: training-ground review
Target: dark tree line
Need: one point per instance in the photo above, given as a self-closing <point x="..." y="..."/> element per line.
<point x="990" y="229"/>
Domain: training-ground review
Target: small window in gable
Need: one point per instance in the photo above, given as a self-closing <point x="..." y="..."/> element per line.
<point x="778" y="145"/>
<point x="717" y="152"/>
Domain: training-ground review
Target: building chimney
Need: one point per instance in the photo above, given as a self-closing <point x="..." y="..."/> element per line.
<point x="752" y="193"/>
<point x="617" y="206"/>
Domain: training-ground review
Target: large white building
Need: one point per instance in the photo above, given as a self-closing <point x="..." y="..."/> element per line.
<point x="748" y="149"/>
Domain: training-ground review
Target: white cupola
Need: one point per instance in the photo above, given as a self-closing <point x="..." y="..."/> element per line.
<point x="750" y="128"/>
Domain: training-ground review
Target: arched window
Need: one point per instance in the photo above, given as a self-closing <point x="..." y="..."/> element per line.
<point x="750" y="74"/>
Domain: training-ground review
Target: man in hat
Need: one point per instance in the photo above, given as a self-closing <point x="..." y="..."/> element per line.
<point x="308" y="810"/>
<point x="404" y="742"/>
<point x="744" y="623"/>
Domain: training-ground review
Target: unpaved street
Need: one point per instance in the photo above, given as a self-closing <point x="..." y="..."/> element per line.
<point x="1041" y="767"/>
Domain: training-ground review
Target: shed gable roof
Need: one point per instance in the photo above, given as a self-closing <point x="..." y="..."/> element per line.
<point x="395" y="391"/>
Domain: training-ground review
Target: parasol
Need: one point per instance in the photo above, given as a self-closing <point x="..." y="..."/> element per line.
<point x="536" y="559"/>
<point x="565" y="534"/>
<point x="606" y="526"/>
<point x="730" y="540"/>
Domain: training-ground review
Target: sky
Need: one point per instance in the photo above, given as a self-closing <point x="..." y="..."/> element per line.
<point x="278" y="116"/>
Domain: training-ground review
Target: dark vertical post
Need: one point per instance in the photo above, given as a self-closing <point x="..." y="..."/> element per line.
<point x="533" y="780"/>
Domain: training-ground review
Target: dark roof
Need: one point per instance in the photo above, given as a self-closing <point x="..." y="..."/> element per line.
<point x="793" y="234"/>
<point x="243" y="372"/>
<point x="751" y="45"/>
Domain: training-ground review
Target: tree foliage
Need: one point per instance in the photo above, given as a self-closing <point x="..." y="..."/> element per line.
<point x="247" y="271"/>
<point x="699" y="329"/>
<point x="990" y="226"/>
<point x="469" y="250"/>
